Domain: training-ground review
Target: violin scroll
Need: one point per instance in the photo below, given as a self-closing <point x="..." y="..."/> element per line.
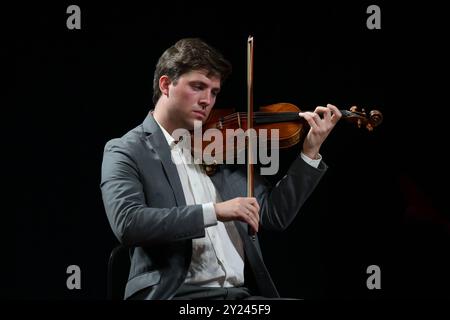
<point x="361" y="119"/>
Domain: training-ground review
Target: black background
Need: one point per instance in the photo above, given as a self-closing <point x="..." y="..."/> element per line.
<point x="383" y="200"/>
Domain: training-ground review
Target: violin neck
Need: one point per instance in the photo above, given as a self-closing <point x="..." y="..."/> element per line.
<point x="346" y="113"/>
<point x="273" y="117"/>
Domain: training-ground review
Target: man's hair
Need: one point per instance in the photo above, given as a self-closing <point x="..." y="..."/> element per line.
<point x="187" y="55"/>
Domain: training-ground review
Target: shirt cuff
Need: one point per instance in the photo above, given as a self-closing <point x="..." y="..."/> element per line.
<point x="209" y="214"/>
<point x="312" y="162"/>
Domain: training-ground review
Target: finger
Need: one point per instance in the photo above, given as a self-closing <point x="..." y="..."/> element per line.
<point x="254" y="225"/>
<point x="311" y="118"/>
<point x="321" y="110"/>
<point x="255" y="203"/>
<point x="317" y="119"/>
<point x="253" y="206"/>
<point x="254" y="213"/>
<point x="248" y="218"/>
<point x="336" y="113"/>
<point x="245" y="211"/>
<point x="327" y="114"/>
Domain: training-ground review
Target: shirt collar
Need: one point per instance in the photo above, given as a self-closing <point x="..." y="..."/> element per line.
<point x="170" y="140"/>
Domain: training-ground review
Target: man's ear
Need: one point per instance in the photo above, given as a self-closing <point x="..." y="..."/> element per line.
<point x="164" y="82"/>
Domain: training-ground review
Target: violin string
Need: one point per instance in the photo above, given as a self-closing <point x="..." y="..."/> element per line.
<point x="232" y="118"/>
<point x="243" y="115"/>
<point x="259" y="115"/>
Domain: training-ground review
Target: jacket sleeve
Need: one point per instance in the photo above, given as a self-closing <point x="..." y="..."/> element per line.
<point x="280" y="204"/>
<point x="132" y="221"/>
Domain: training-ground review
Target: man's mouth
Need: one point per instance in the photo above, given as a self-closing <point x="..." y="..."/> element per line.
<point x="200" y="113"/>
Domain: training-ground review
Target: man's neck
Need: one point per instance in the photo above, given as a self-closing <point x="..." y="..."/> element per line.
<point x="163" y="121"/>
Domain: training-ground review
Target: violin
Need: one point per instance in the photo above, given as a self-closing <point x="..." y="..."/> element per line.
<point x="283" y="117"/>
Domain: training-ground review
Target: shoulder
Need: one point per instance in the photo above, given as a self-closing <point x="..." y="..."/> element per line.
<point x="130" y="142"/>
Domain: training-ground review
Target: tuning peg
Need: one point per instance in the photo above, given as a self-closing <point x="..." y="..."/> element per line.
<point x="354" y="109"/>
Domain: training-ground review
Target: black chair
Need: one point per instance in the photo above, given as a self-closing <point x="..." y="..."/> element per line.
<point x="118" y="270"/>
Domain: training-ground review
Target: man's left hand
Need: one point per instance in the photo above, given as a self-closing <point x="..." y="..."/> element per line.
<point x="321" y="122"/>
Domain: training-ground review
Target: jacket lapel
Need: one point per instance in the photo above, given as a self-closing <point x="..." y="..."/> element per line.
<point x="159" y="144"/>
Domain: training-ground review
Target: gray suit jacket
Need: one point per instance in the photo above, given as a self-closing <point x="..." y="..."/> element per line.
<point x="147" y="211"/>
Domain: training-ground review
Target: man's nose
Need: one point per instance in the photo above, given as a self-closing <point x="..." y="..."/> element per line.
<point x="205" y="100"/>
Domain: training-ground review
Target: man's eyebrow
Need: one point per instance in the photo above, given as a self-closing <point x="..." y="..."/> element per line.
<point x="200" y="82"/>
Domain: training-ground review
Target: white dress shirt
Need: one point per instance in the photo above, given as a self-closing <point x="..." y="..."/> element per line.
<point x="218" y="258"/>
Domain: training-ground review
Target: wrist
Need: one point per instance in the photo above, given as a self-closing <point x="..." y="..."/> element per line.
<point x="312" y="154"/>
<point x="216" y="210"/>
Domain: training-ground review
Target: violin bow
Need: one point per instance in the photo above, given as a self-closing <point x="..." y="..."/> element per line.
<point x="250" y="140"/>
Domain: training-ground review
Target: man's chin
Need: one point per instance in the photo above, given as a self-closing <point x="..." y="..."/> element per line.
<point x="196" y="124"/>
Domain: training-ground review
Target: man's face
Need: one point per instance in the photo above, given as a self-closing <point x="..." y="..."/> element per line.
<point x="192" y="98"/>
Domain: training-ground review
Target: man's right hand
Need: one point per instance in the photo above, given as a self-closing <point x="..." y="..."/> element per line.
<point x="242" y="208"/>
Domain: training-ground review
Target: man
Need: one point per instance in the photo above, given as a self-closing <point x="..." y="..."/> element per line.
<point x="187" y="232"/>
